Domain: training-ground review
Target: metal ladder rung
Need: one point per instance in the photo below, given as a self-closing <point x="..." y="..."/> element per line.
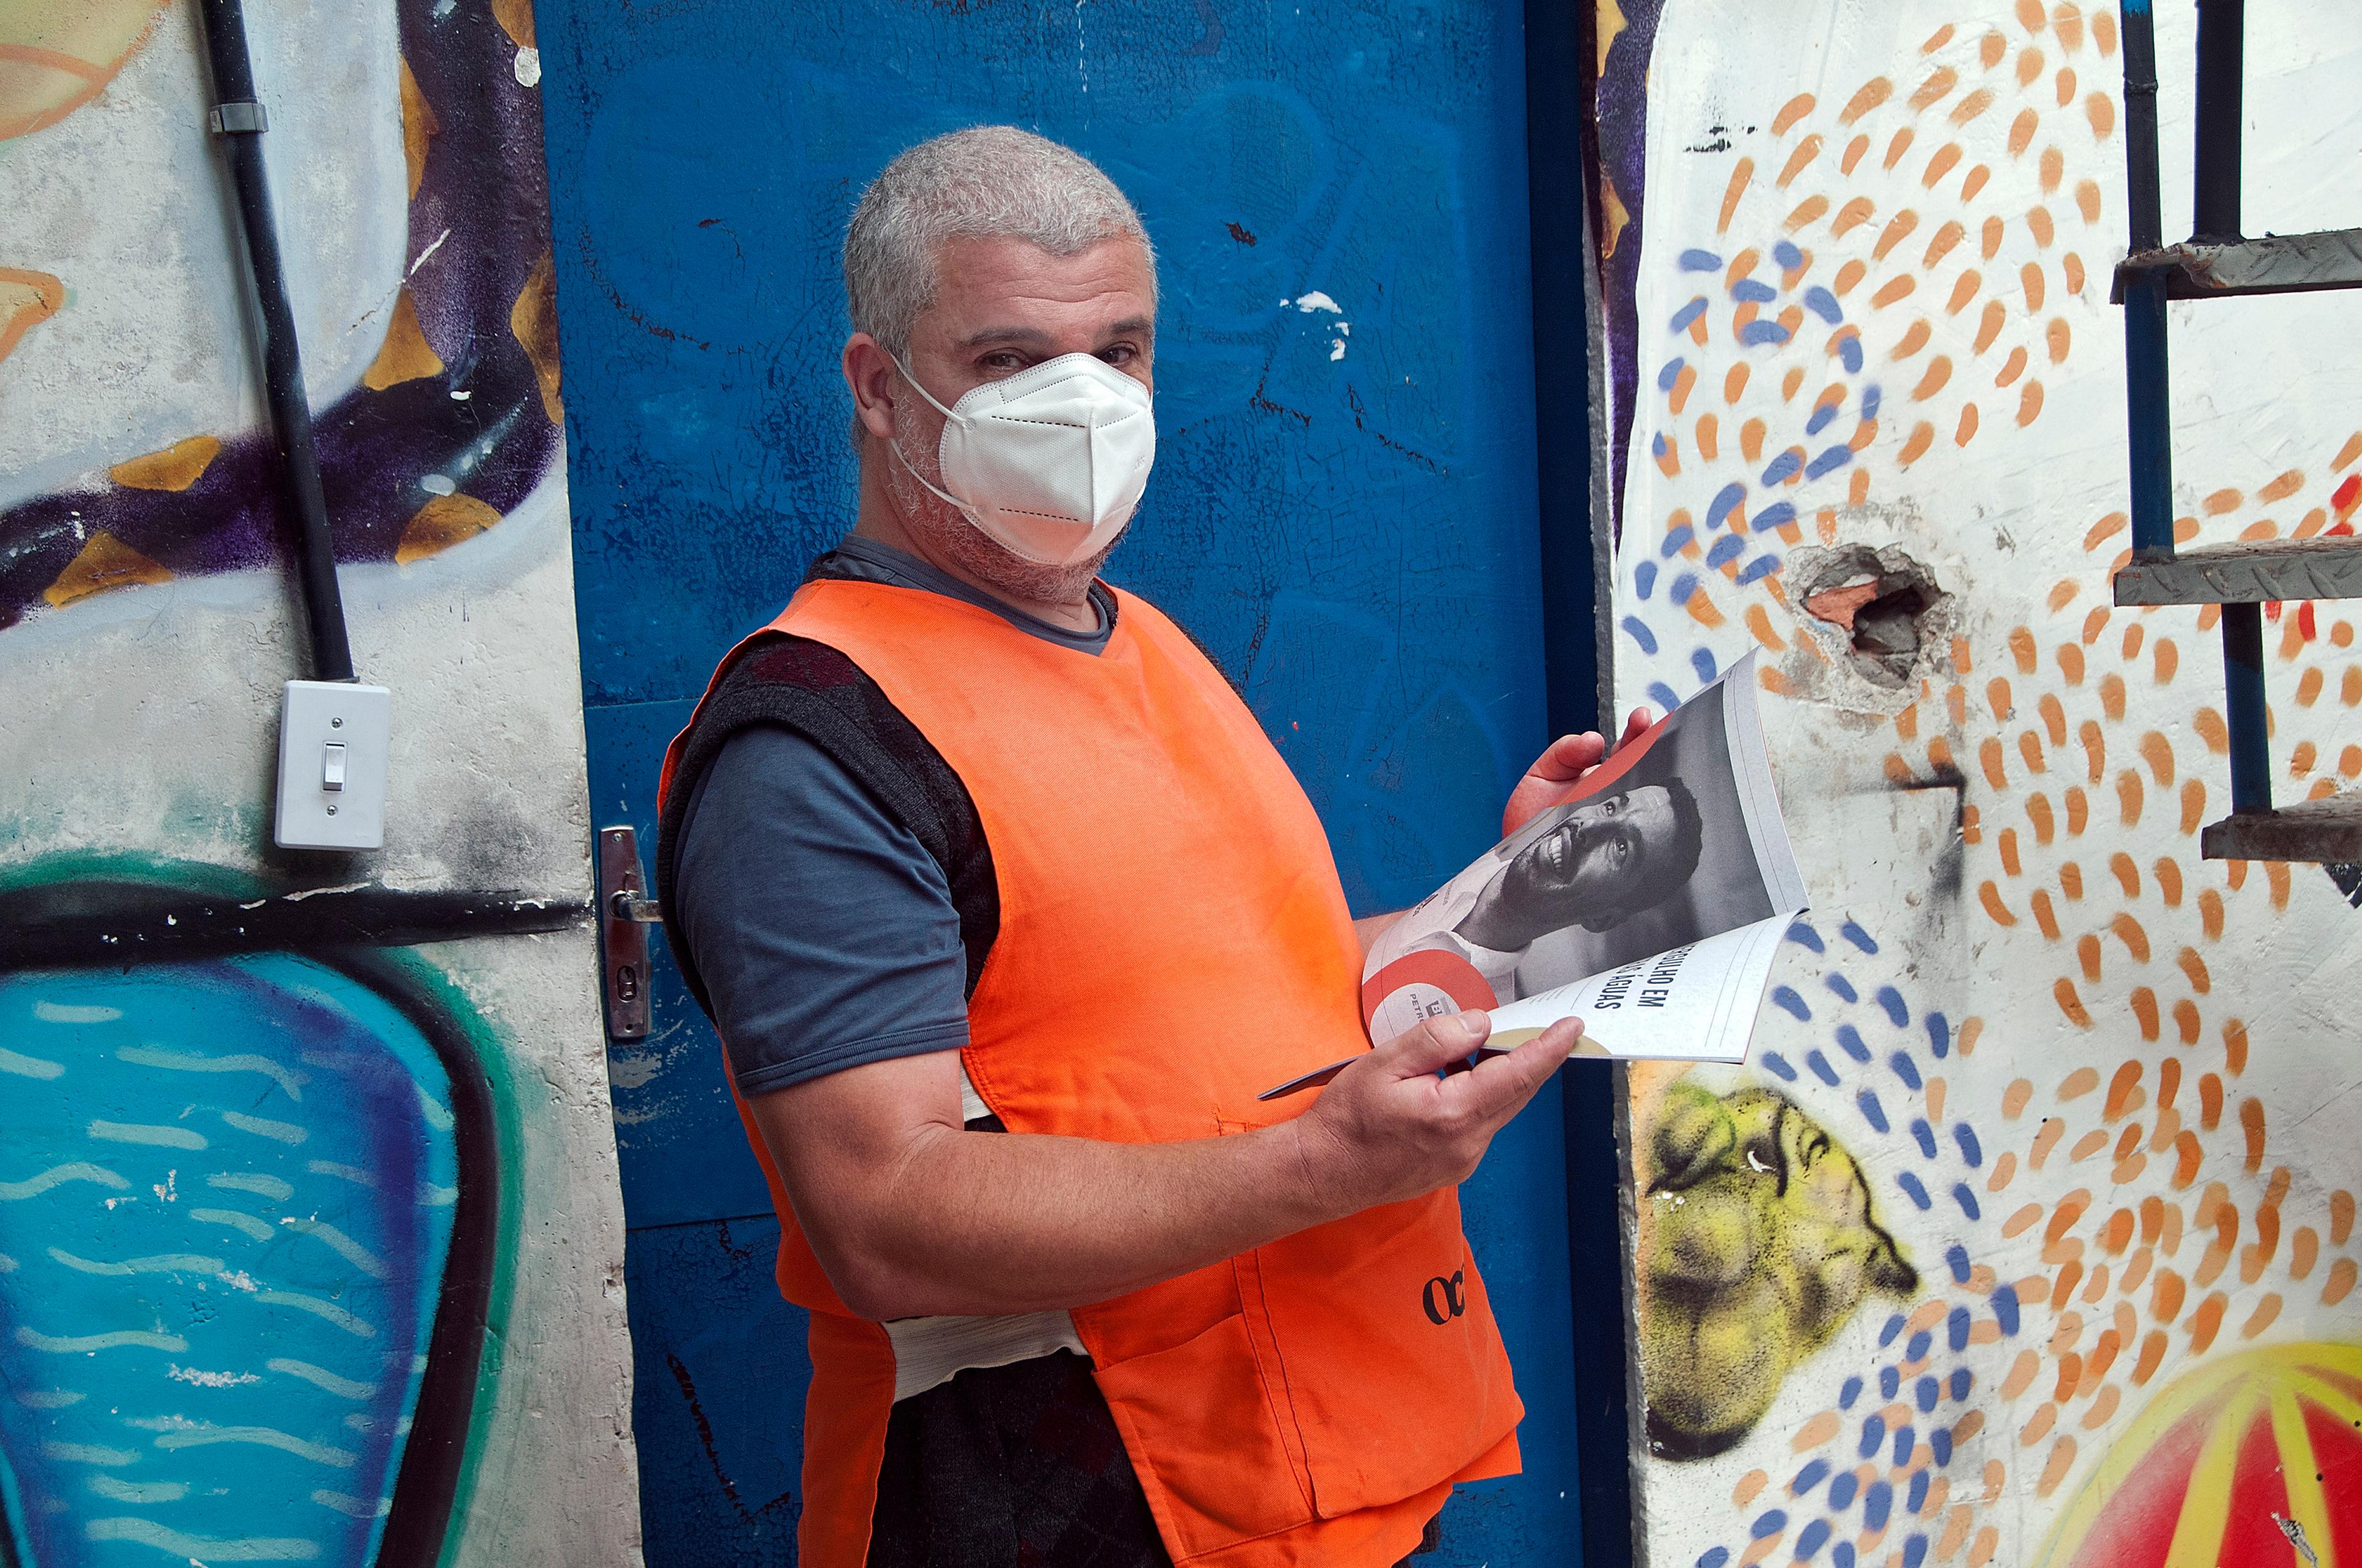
<point x="2328" y="831"/>
<point x="2249" y="573"/>
<point x="2280" y="264"/>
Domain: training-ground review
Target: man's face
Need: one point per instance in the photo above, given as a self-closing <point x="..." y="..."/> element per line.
<point x="1001" y="307"/>
<point x="1593" y="860"/>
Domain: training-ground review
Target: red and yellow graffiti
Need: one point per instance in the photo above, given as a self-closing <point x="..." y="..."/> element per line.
<point x="2251" y="1458"/>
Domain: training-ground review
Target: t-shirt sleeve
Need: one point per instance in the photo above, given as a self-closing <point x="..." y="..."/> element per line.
<point x="824" y="932"/>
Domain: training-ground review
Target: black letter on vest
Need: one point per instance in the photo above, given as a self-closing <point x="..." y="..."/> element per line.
<point x="1455" y="1302"/>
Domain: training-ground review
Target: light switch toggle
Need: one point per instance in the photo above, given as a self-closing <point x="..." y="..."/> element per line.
<point x="332" y="766"/>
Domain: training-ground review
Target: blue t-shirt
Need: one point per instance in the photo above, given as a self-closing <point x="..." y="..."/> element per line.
<point x="824" y="932"/>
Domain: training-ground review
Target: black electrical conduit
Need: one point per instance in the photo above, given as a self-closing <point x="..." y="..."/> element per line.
<point x="240" y="121"/>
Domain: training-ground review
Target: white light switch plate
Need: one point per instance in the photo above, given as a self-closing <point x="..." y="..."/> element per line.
<point x="325" y="728"/>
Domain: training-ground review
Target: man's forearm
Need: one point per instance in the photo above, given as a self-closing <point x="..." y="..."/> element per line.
<point x="984" y="1223"/>
<point x="913" y="1216"/>
<point x="979" y="1224"/>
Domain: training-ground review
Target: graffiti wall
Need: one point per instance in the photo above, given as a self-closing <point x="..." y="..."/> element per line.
<point x="310" y="1239"/>
<point x="2027" y="1235"/>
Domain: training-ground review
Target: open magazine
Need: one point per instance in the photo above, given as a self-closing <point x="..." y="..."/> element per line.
<point x="1649" y="904"/>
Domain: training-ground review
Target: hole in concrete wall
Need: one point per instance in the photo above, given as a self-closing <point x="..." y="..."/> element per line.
<point x="1889" y="606"/>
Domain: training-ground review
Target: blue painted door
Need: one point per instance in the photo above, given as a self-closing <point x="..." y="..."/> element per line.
<point x="1343" y="511"/>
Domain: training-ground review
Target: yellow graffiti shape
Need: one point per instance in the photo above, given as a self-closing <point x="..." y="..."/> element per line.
<point x="176" y="468"/>
<point x="419" y="126"/>
<point x="405" y="355"/>
<point x="1614" y="218"/>
<point x="1611" y="23"/>
<point x="516" y="18"/>
<point x="27" y="300"/>
<point x="105" y="562"/>
<point x="533" y="320"/>
<point x="1763" y="1241"/>
<point x="57" y="55"/>
<point x="443" y="522"/>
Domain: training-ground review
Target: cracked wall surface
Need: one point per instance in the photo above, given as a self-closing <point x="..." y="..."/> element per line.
<point x="2099" y="1093"/>
<point x="310" y="1235"/>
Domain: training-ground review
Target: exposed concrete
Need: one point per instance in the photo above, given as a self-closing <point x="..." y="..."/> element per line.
<point x="557" y="1482"/>
<point x="1897" y="619"/>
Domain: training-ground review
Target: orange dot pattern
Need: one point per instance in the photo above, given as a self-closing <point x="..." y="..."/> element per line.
<point x="2136" y="1200"/>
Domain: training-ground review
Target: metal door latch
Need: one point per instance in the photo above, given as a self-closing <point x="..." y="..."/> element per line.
<point x="625" y="913"/>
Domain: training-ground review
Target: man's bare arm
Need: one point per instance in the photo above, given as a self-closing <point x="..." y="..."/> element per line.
<point x="911" y="1215"/>
<point x="1369" y="928"/>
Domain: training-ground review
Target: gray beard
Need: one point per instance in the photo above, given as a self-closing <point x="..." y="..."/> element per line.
<point x="947" y="530"/>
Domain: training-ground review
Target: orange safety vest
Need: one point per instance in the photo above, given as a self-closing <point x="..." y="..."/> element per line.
<point x="1173" y="941"/>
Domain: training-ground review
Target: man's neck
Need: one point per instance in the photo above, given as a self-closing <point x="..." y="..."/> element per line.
<point x="881" y="520"/>
<point x="1486" y="924"/>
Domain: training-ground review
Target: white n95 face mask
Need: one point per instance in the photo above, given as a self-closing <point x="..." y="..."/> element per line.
<point x="1049" y="462"/>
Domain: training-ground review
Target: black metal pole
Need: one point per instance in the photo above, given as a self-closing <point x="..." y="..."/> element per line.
<point x="238" y="120"/>
<point x="2244" y="708"/>
<point x="2214" y="220"/>
<point x="2148" y="403"/>
<point x="2146" y="210"/>
<point x="2222" y="69"/>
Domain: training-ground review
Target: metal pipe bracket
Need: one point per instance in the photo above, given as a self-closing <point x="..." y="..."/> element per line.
<point x="244" y="117"/>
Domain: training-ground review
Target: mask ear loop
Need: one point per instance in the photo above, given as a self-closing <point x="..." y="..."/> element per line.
<point x="895" y="447"/>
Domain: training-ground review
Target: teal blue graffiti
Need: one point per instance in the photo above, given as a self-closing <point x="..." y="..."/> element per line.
<point x="227" y="1200"/>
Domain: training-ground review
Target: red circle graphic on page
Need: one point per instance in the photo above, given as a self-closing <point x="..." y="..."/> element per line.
<point x="1423" y="985"/>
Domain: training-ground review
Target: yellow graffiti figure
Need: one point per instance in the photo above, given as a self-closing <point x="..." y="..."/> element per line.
<point x="1761" y="1242"/>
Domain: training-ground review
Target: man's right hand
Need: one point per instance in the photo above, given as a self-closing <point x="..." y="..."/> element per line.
<point x="1389" y="1128"/>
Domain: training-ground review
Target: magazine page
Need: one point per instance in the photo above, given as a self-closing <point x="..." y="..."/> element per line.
<point x="1695" y="1004"/>
<point x="1674" y="839"/>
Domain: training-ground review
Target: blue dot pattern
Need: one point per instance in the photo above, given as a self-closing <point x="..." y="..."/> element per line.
<point x="1869" y="1047"/>
<point x="1752" y="553"/>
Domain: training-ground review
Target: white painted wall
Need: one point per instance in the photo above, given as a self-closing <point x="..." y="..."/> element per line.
<point x="2014" y="521"/>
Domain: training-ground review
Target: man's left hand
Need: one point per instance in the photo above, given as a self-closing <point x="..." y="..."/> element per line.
<point x="1556" y="773"/>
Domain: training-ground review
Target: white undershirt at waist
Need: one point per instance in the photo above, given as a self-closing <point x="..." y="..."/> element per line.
<point x="932" y="1351"/>
<point x="929" y="1351"/>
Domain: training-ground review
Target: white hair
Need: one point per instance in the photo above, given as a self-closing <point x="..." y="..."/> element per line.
<point x="985" y="183"/>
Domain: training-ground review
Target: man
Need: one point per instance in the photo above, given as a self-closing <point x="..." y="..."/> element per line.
<point x="1604" y="861"/>
<point x="1005" y="910"/>
<point x="1591" y="864"/>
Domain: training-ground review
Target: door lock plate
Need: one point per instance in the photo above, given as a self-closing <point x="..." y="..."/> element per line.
<point x="625" y="913"/>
